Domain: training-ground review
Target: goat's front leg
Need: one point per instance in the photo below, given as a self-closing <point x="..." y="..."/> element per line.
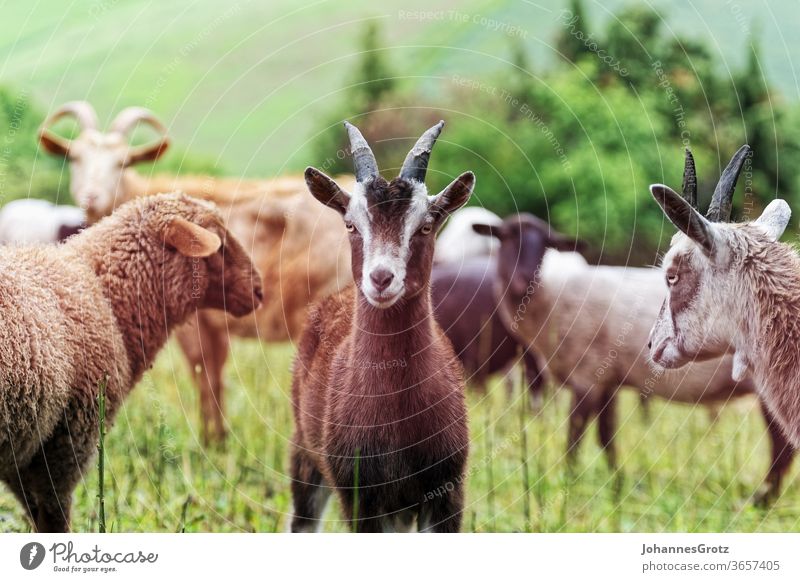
<point x="309" y="493"/>
<point x="363" y="512"/>
<point x="442" y="513"/>
<point x="206" y="350"/>
<point x="585" y="404"/>
<point x="607" y="426"/>
<point x="781" y="459"/>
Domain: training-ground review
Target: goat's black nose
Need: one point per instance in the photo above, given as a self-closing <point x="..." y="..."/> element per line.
<point x="650" y="345"/>
<point x="381" y="278"/>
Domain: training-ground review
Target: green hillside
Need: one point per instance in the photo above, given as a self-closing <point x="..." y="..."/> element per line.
<point x="248" y="83"/>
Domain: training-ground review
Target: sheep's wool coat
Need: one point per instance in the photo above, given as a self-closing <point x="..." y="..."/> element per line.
<point x="101" y="303"/>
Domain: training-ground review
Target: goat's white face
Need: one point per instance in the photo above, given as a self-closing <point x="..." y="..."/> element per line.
<point x="97" y="162"/>
<point x="702" y="316"/>
<point x="385" y="236"/>
<point x="692" y="324"/>
<point x="392" y="225"/>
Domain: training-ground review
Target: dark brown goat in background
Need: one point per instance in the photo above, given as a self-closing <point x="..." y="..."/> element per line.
<point x="378" y="392"/>
<point x="466" y="307"/>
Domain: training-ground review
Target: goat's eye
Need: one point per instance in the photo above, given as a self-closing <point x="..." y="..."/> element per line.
<point x="349" y="226"/>
<point x="426" y="229"/>
<point x="672" y="278"/>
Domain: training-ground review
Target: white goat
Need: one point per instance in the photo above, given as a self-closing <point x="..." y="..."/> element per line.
<point x="733" y="287"/>
<point x="458" y="242"/>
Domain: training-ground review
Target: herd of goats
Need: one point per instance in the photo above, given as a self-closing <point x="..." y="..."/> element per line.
<point x="388" y="320"/>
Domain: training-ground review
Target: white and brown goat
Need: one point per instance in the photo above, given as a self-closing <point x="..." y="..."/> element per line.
<point x="384" y="437"/>
<point x="589" y="325"/>
<point x="733" y="288"/>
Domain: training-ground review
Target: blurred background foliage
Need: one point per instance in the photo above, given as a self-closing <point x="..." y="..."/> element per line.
<point x="579" y="143"/>
<point x="575" y="140"/>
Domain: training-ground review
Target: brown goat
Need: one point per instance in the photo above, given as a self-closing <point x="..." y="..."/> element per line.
<point x="378" y="392"/>
<point x="299" y="246"/>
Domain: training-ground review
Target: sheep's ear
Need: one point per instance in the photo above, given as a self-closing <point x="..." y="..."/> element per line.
<point x="191" y="240"/>
<point x="774" y="219"/>
<point x="488" y="230"/>
<point x="685" y="218"/>
<point x="324" y="189"/>
<point x="54" y="144"/>
<point x="455" y="195"/>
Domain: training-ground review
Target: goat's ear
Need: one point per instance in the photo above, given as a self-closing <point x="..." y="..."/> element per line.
<point x="685" y="218"/>
<point x="54" y="144"/>
<point x="190" y="239"/>
<point x="562" y="242"/>
<point x="324" y="189"/>
<point x="456" y="194"/>
<point x="488" y="230"/>
<point x="774" y="219"/>
<point x="146" y="153"/>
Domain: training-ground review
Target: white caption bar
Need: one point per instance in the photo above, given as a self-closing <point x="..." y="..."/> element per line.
<point x="335" y="557"/>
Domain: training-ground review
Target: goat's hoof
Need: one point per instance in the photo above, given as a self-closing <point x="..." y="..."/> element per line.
<point x="765" y="498"/>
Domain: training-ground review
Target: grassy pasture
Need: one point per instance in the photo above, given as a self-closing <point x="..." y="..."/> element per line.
<point x="681" y="472"/>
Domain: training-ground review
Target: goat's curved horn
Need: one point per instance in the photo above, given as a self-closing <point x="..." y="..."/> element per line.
<point x="81" y="110"/>
<point x="83" y="113"/>
<point x="720" y="208"/>
<point x="416" y="164"/>
<point x="689" y="188"/>
<point x="364" y="163"/>
<point x="127" y="119"/>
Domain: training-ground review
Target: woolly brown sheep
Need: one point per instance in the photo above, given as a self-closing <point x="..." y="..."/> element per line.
<point x="103" y="303"/>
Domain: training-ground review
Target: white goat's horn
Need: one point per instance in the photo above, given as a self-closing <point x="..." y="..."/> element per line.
<point x="81" y="110"/>
<point x="130" y="116"/>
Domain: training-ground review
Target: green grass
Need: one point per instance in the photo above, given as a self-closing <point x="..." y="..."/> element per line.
<point x="681" y="471"/>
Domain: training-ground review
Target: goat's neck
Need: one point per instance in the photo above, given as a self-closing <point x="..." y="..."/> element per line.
<point x="770" y="330"/>
<point x="131" y="186"/>
<point x="401" y="336"/>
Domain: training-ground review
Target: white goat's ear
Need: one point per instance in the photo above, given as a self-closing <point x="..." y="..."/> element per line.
<point x="147" y="152"/>
<point x="54" y="144"/>
<point x="190" y="239"/>
<point x="456" y="194"/>
<point x="324" y="189"/>
<point x="774" y="219"/>
<point x="685" y="218"/>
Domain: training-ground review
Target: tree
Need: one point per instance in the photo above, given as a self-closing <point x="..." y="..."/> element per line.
<point x="572" y="39"/>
